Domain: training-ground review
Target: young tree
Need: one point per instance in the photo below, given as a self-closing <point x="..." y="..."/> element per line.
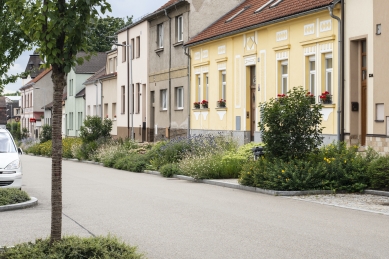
<point x="13" y="42"/>
<point x="291" y="125"/>
<point x="94" y="128"/>
<point x="58" y="29"/>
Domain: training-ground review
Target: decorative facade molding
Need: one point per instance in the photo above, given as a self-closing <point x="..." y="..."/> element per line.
<point x="309" y="29"/>
<point x="205" y="69"/>
<point x="250" y="43"/>
<point x="326" y="47"/>
<point x="197" y="55"/>
<point x="249" y="61"/>
<point x="221" y="114"/>
<point x="221" y="49"/>
<point x="325" y="25"/>
<point x="205" y="53"/>
<point x="222" y="66"/>
<point x="309" y="51"/>
<point x="282" y="55"/>
<point x="197" y="70"/>
<point x="282" y="35"/>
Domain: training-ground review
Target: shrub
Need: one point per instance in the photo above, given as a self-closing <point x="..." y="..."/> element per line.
<point x="291" y="126"/>
<point x="94" y="128"/>
<point x="247" y="150"/>
<point x="12" y="196"/>
<point x="45" y="134"/>
<point x="169" y="170"/>
<point x="133" y="163"/>
<point x="73" y="247"/>
<point x="378" y="172"/>
<point x="14" y="129"/>
<point x="46" y="147"/>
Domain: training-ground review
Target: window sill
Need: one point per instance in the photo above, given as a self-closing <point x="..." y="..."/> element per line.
<point x="221" y="108"/>
<point x="200" y="109"/>
<point x="328" y="105"/>
<point x="179" y="109"/>
<point x="158" y="50"/>
<point x="163" y="110"/>
<point x="178" y="43"/>
<point x="379" y="121"/>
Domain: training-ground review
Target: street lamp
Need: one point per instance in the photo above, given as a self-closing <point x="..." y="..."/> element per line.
<point x="129" y="51"/>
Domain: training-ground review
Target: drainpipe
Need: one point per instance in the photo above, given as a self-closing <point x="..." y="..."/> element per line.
<point x="128" y="87"/>
<point x="170" y="65"/>
<point x="189" y="88"/>
<point x="340" y="64"/>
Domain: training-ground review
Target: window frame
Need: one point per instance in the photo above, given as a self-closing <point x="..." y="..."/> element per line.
<point x="180" y="97"/>
<point x="124" y="51"/>
<point x="160" y="36"/>
<point x="223" y="84"/>
<point x="137" y="47"/>
<point x="123" y="99"/>
<point x="163" y="99"/>
<point x="284" y="88"/>
<point x="180" y="28"/>
<point x="312" y="73"/>
<point x="199" y="88"/>
<point x="328" y="71"/>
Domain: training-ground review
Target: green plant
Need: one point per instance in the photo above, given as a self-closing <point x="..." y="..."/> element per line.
<point x="24" y="133"/>
<point x="133" y="163"/>
<point x="291" y="129"/>
<point x="14" y="129"/>
<point x="169" y="170"/>
<point x="12" y="196"/>
<point x="73" y="247"/>
<point x="94" y="128"/>
<point x="378" y="172"/>
<point x="45" y="134"/>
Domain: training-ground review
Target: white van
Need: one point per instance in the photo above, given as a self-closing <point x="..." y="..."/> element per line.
<point x="10" y="163"/>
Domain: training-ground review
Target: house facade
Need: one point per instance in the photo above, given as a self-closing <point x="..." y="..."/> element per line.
<point x="34" y="95"/>
<point x="260" y="50"/>
<point x="132" y="81"/>
<point x="366" y="74"/>
<point x="74" y="116"/>
<point x="170" y="27"/>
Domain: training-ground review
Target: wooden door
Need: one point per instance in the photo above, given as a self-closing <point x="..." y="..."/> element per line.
<point x="363" y="92"/>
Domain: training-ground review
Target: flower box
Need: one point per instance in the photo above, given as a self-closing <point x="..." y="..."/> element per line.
<point x="221" y="103"/>
<point x="196" y="105"/>
<point x="204" y="103"/>
<point x="326" y="98"/>
<point x="311" y="98"/>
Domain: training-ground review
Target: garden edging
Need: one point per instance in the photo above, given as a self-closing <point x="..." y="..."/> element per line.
<point x="17" y="206"/>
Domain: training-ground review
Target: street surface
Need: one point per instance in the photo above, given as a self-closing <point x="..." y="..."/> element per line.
<point x="170" y="218"/>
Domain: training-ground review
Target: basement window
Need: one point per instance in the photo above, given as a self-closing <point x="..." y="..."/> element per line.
<point x="235" y="15"/>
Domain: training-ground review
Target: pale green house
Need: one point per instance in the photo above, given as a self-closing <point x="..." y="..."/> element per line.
<point x="74" y="115"/>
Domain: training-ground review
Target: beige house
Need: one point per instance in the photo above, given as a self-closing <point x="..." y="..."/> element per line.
<point x="366" y="99"/>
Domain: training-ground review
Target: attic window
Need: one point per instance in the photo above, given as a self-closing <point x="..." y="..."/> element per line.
<point x="276" y="3"/>
<point x="235" y="15"/>
<point x="265" y="5"/>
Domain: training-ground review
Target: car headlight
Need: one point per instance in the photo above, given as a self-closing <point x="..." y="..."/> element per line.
<point x="14" y="165"/>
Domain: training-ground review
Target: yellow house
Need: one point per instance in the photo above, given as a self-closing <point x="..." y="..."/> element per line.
<point x="260" y="50"/>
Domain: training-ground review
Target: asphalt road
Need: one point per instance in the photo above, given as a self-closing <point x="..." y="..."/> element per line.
<point x="169" y="218"/>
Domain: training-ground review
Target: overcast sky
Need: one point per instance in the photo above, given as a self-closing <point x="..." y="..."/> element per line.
<point x="120" y="8"/>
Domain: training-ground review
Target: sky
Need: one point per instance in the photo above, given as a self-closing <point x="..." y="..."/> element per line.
<point x="120" y="8"/>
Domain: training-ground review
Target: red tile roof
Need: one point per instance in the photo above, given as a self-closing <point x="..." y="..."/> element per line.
<point x="249" y="18"/>
<point x="169" y="3"/>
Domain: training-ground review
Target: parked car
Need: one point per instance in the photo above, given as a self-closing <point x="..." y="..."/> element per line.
<point x="10" y="163"/>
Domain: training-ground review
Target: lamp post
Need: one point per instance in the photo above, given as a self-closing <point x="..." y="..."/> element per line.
<point x="129" y="50"/>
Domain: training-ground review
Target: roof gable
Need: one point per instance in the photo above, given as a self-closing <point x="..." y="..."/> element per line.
<point x="254" y="13"/>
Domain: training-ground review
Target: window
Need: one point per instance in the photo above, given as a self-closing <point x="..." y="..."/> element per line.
<point x="71" y="87"/>
<point x="105" y="110"/>
<point x="199" y="96"/>
<point x="164" y="99"/>
<point x="223" y="85"/>
<point x="206" y="81"/>
<point x="180" y="97"/>
<point x="124" y="51"/>
<point x="380" y="112"/>
<point x="88" y="111"/>
<point x="114" y="110"/>
<point x="160" y="35"/>
<point x="138" y="94"/>
<point x="133" y="100"/>
<point x="312" y="74"/>
<point x="111" y="66"/>
<point x="115" y="64"/>
<point x="132" y="49"/>
<point x="123" y="100"/>
<point x="284" y="77"/>
<point x="138" y="47"/>
<point x="328" y="72"/>
<point x="79" y="120"/>
<point x="71" y="120"/>
<point x="180" y="28"/>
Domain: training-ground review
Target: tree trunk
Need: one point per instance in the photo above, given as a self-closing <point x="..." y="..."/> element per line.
<point x="59" y="81"/>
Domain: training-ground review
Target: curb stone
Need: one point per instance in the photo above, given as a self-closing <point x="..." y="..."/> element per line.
<point x="379" y="193"/>
<point x="23" y="205"/>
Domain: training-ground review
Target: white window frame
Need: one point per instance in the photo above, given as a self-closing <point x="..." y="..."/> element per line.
<point x="164" y="99"/>
<point x="71" y="87"/>
<point x="199" y="86"/>
<point x="206" y="87"/>
<point x="180" y="97"/>
<point x="328" y="71"/>
<point x="111" y="66"/>
<point x="160" y="35"/>
<point x="284" y="88"/>
<point x="312" y="74"/>
<point x="180" y="28"/>
<point x="224" y="84"/>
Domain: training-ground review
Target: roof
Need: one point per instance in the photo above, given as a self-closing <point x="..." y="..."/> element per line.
<point x="81" y="93"/>
<point x="168" y="4"/>
<point x="14" y="98"/>
<point x="247" y="18"/>
<point x="36" y="79"/>
<point x="95" y="76"/>
<point x="95" y="63"/>
<point x="33" y="65"/>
